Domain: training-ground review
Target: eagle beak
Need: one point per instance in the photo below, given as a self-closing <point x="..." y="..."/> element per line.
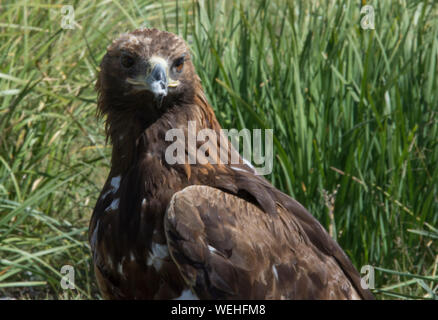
<point x="157" y="82"/>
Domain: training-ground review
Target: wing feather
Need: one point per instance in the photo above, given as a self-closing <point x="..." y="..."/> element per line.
<point x="228" y="248"/>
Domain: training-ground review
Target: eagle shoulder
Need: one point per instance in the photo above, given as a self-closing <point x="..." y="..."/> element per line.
<point x="228" y="248"/>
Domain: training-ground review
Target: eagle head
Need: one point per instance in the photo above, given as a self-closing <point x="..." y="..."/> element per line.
<point x="146" y="71"/>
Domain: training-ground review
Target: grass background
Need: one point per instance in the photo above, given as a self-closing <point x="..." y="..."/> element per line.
<point x="354" y="113"/>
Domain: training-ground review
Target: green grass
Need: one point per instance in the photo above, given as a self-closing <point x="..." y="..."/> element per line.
<point x="354" y="113"/>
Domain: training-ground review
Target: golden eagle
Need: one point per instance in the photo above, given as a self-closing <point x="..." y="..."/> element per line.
<point x="194" y="230"/>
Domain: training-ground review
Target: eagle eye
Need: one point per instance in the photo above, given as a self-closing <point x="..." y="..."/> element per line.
<point x="178" y="64"/>
<point x="126" y="60"/>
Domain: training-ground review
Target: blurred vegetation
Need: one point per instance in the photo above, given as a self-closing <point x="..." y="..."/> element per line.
<point x="354" y="113"/>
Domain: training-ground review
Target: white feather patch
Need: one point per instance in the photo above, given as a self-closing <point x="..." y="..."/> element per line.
<point x="115" y="183"/>
<point x="157" y="254"/>
<point x="120" y="268"/>
<point x="248" y="163"/>
<point x="131" y="256"/>
<point x="274" y="271"/>
<point x="212" y="249"/>
<point x="239" y="169"/>
<point x="187" y="295"/>
<point x="114" y="186"/>
<point x="252" y="169"/>
<point x="114" y="205"/>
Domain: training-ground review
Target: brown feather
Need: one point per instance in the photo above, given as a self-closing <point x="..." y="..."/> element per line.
<point x="227" y="247"/>
<point x="254" y="228"/>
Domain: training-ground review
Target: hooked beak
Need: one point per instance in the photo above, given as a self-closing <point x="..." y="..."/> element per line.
<point x="157" y="81"/>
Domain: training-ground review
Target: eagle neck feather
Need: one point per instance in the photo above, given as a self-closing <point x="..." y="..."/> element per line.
<point x="133" y="133"/>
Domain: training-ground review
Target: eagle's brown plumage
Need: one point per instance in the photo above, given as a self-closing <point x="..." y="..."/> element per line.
<point x="162" y="231"/>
